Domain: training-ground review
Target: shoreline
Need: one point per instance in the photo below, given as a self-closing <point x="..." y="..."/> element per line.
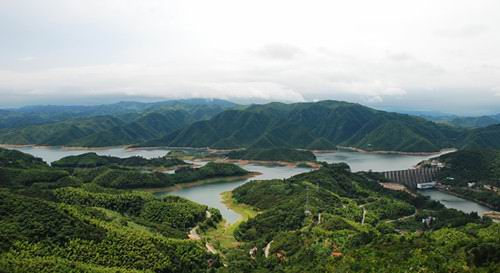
<point x="213" y="180"/>
<point x="223" y="233"/>
<point x="132" y="147"/>
<point x="245" y="211"/>
<point x="467" y="198"/>
<point x="65" y="148"/>
<point x="359" y="150"/>
<point x="125" y="146"/>
<point x="243" y="162"/>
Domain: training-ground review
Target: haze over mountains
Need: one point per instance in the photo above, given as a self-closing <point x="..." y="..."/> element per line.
<point x="103" y="125"/>
<point x="223" y="124"/>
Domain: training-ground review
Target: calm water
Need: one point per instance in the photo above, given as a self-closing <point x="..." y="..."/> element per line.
<point x="454" y="202"/>
<point x="51" y="154"/>
<point x="209" y="194"/>
<point x="374" y="162"/>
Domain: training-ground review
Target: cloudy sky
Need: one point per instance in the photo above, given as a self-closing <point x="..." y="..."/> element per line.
<point x="427" y="55"/>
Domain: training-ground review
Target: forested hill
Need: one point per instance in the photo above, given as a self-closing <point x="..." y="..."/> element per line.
<point x="55" y="220"/>
<point x="327" y="220"/>
<point x="482" y="167"/>
<point x="465" y="122"/>
<point x="482" y="138"/>
<point x="320" y="125"/>
<point x="332" y="220"/>
<point x="221" y="124"/>
<point x="104" y="125"/>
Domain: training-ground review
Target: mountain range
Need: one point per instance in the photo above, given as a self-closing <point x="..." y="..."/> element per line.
<point x="222" y="124"/>
<point x="103" y="125"/>
<point x="462" y="121"/>
<point x="325" y="125"/>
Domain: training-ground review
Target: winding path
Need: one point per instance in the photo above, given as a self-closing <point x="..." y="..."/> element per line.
<point x="266" y="249"/>
<point x="194" y="235"/>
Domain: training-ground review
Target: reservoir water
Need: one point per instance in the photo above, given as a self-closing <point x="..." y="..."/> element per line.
<point x="452" y="201"/>
<point x="51" y="154"/>
<point x="376" y="162"/>
<point x="209" y="194"/>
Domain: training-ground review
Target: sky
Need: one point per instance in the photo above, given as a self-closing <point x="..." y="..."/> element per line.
<point x="394" y="54"/>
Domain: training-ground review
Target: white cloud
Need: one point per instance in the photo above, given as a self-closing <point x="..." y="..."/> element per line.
<point x="279" y="51"/>
<point x="466" y="31"/>
<point x="26" y="59"/>
<point x="266" y="91"/>
<point x="263" y="50"/>
<point x="496" y="90"/>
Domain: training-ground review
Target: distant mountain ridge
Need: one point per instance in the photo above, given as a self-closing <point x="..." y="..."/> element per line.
<point x="463" y="121"/>
<point x="44" y="114"/>
<point x="320" y="125"/>
<point x="105" y="125"/>
<point x="221" y="124"/>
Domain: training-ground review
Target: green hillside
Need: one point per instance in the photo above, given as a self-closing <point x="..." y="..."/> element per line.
<point x="321" y="125"/>
<point x="19" y="170"/>
<point x="482" y="138"/>
<point x="98" y="126"/>
<point x="44" y="114"/>
<point x="327" y="220"/>
<point x="93" y="160"/>
<point x="466" y="122"/>
<point x="313" y="222"/>
<point x="89" y="231"/>
<point x="482" y="167"/>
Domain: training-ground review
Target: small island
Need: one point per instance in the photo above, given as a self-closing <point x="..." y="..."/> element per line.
<point x="20" y="170"/>
<point x="92" y="160"/>
<point x="131" y="179"/>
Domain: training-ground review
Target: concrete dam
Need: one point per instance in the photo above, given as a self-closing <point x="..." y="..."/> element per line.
<point x="420" y="178"/>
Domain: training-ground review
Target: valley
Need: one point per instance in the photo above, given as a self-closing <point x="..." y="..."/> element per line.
<point x="271" y="194"/>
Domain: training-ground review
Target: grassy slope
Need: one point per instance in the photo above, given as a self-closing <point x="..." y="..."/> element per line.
<point x="223" y="235"/>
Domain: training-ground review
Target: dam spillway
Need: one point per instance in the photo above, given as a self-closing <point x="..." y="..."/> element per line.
<point x="414" y="178"/>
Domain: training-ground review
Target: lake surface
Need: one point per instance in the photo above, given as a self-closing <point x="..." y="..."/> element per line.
<point x="209" y="194"/>
<point x="372" y="161"/>
<point x="454" y="202"/>
<point x="51" y="154"/>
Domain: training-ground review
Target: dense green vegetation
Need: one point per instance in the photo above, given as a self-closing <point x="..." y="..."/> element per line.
<point x="275" y="154"/>
<point x="481" y="167"/>
<point x="327" y="220"/>
<point x="119" y="178"/>
<point x="16" y="159"/>
<point x="321" y="125"/>
<point x="18" y="170"/>
<point x="92" y="160"/>
<point x="482" y="138"/>
<point x="471" y="165"/>
<point x="221" y="124"/>
<point x="467" y="122"/>
<point x="103" y="125"/>
<point x="53" y="220"/>
<point x="314" y="221"/>
<point x="89" y="230"/>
